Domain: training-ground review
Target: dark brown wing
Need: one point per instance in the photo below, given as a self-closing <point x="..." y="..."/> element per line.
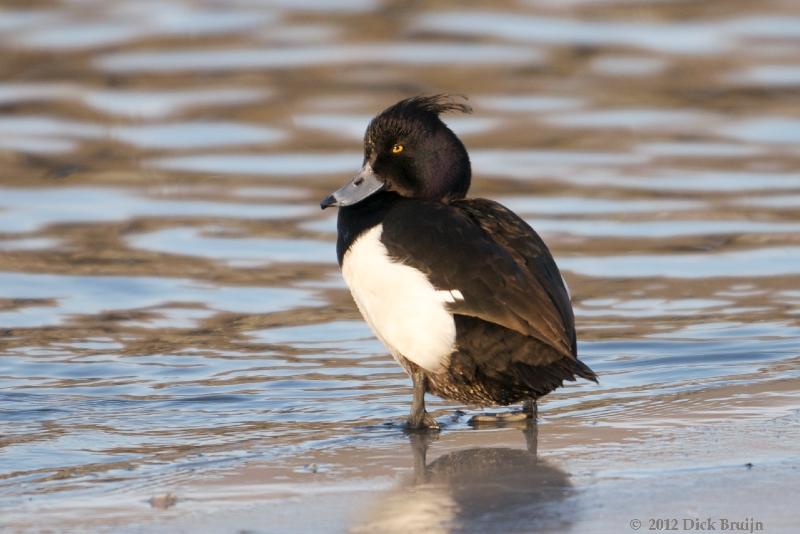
<point x="495" y="260"/>
<point x="530" y="251"/>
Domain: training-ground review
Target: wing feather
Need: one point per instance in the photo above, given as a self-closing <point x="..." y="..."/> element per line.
<point x="501" y="267"/>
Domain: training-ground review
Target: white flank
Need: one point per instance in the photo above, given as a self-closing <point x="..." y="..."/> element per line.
<point x="399" y="303"/>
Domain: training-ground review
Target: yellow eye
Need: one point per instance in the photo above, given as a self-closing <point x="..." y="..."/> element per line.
<point x="396" y="149"/>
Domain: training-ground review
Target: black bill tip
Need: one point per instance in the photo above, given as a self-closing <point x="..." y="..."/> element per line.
<point x="327" y="202"/>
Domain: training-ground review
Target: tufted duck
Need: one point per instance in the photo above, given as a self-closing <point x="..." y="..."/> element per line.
<point x="464" y="294"/>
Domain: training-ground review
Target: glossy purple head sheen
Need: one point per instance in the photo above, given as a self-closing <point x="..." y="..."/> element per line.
<point x="414" y="153"/>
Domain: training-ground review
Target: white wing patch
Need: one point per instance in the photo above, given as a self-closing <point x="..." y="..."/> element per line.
<point x="450" y="295"/>
<point x="569" y="293"/>
<point x="405" y="311"/>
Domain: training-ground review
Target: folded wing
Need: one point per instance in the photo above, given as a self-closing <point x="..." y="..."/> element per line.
<point x="495" y="265"/>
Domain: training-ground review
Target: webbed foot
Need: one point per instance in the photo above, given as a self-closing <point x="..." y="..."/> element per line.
<point x="495" y="418"/>
<point x="422" y="421"/>
<point x="529" y="411"/>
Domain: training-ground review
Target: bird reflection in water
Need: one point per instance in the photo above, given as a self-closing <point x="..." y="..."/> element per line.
<point x="475" y="490"/>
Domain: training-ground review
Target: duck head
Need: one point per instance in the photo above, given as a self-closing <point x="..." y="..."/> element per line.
<point x="409" y="151"/>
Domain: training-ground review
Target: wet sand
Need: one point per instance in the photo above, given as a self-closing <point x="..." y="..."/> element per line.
<point x="567" y="473"/>
<point x="601" y="480"/>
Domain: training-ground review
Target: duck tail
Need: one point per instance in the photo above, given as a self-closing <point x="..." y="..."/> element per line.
<point x="582" y="370"/>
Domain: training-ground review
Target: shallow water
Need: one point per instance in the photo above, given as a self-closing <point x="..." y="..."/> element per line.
<point x="172" y="318"/>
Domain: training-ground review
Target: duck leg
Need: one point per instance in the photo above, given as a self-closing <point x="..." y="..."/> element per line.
<point x="530" y="409"/>
<point x="419" y="419"/>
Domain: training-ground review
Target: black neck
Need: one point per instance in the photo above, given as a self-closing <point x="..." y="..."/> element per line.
<point x="355" y="220"/>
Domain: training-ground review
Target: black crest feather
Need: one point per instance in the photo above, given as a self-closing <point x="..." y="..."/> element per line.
<point x="412" y="113"/>
<point x="436" y="104"/>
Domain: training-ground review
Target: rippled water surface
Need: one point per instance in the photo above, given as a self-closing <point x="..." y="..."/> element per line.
<point x="172" y="320"/>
